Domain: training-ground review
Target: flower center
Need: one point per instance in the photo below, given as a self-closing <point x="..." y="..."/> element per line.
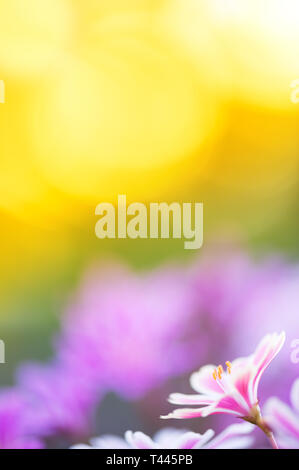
<point x="218" y="372"/>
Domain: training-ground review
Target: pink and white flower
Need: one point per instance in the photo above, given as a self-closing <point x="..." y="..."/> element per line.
<point x="235" y="436"/>
<point x="283" y="419"/>
<point x="234" y="391"/>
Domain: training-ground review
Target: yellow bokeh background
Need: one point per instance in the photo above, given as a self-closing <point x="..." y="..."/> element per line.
<point x="156" y="99"/>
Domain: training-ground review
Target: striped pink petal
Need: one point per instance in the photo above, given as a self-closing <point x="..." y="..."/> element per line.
<point x="235" y="436"/>
<point x="181" y="399"/>
<point x="139" y="440"/>
<point x="186" y="413"/>
<point x="283" y="421"/>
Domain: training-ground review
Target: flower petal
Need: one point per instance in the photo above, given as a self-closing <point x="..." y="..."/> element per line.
<point x="81" y="446"/>
<point x="139" y="440"/>
<point x="181" y="399"/>
<point x="192" y="440"/>
<point x="109" y="442"/>
<point x="266" y="351"/>
<point x="281" y="419"/>
<point x="233" y="437"/>
<point x="230" y="404"/>
<point x="185" y="413"/>
<point x="167" y="436"/>
<point x="241" y="379"/>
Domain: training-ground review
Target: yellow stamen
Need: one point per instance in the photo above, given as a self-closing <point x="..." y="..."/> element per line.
<point x="218" y="372"/>
<point x="229" y="367"/>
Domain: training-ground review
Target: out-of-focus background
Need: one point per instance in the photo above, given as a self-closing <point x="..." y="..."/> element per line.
<point x="161" y="100"/>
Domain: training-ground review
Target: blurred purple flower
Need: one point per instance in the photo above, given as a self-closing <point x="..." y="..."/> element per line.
<point x="284" y="420"/>
<point x="130" y="333"/>
<point x="234" y="437"/>
<point x="225" y="281"/>
<point x="15" y="426"/>
<point x="61" y="402"/>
